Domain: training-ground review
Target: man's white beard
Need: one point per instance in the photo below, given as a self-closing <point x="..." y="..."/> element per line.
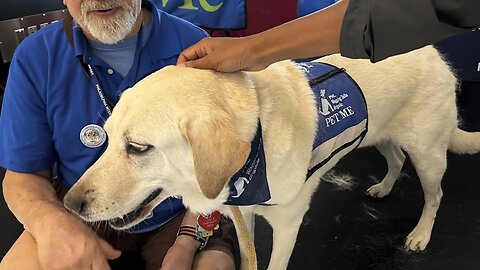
<point x="108" y="30"/>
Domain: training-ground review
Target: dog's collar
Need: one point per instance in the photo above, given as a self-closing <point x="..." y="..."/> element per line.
<point x="249" y="185"/>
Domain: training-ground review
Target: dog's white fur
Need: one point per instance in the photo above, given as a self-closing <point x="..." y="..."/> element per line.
<point x="187" y="131"/>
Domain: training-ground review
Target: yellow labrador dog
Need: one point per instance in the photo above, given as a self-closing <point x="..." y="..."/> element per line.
<point x="185" y="132"/>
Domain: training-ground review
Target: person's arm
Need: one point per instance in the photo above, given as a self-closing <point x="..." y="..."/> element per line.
<point x="372" y="29"/>
<point x="62" y="239"/>
<point x="377" y="29"/>
<point x="181" y="254"/>
<point x="20" y="190"/>
<point x="312" y="35"/>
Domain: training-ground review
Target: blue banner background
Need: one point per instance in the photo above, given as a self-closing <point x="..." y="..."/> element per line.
<point x="212" y="14"/>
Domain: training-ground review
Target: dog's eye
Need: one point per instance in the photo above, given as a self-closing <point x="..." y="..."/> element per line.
<point x="135" y="148"/>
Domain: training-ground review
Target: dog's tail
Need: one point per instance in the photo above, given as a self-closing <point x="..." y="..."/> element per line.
<point x="463" y="142"/>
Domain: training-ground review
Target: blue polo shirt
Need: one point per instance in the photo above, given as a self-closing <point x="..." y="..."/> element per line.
<point x="49" y="99"/>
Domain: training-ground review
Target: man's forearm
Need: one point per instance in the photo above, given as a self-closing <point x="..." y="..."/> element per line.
<point x="30" y="197"/>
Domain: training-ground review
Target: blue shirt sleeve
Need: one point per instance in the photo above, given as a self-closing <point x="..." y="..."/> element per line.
<point x="25" y="135"/>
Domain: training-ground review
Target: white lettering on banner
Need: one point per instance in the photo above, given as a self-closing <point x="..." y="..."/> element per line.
<point x="346" y="112"/>
<point x="337" y="117"/>
<point x="332" y="120"/>
<point x="337" y="101"/>
<point x="305" y="67"/>
<point x="204" y="4"/>
<point x="331" y="104"/>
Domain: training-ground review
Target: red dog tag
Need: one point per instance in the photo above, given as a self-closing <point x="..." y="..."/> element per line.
<point x="208" y="223"/>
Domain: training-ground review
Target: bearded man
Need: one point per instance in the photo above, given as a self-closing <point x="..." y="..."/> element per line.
<point x="63" y="83"/>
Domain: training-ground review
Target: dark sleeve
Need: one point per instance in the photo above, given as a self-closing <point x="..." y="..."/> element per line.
<point x="377" y="29"/>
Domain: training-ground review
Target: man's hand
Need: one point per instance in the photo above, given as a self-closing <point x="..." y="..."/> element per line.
<point x="65" y="243"/>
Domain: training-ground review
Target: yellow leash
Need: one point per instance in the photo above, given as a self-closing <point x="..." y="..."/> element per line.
<point x="244" y="238"/>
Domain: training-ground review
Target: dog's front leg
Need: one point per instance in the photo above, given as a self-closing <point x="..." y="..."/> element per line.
<point x="395" y="159"/>
<point x="285" y="220"/>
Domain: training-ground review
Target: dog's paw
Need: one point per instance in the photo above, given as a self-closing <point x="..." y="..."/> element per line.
<point x="417" y="240"/>
<point x="378" y="191"/>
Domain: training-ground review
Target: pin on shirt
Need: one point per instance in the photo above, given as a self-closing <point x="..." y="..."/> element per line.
<point x="93" y="136"/>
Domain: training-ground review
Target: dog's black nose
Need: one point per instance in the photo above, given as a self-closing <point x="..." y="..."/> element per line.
<point x="76" y="204"/>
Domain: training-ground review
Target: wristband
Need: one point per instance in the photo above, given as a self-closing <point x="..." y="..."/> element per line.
<point x="191" y="231"/>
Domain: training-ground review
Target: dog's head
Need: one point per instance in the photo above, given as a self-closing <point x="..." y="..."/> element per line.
<point x="179" y="132"/>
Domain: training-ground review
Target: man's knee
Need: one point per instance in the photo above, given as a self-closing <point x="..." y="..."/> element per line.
<point x="22" y="255"/>
<point x="213" y="258"/>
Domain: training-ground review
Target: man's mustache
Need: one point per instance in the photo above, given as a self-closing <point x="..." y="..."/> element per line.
<point x="102" y="5"/>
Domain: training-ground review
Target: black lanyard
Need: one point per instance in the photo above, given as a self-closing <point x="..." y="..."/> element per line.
<point x="106" y="103"/>
<point x="88" y="69"/>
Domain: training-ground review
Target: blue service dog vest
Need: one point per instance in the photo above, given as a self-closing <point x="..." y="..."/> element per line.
<point x="342" y="124"/>
<point x="342" y="112"/>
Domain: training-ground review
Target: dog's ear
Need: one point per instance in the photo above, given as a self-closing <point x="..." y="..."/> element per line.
<point x="218" y="153"/>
